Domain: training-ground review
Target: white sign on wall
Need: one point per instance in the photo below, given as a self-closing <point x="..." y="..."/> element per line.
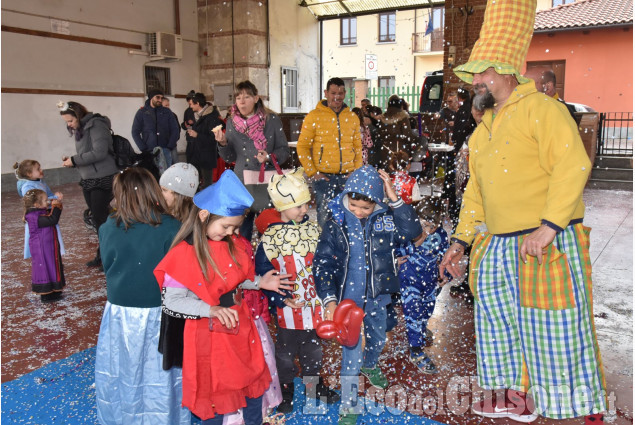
<point x="60" y="27"/>
<point x="371" y="67"/>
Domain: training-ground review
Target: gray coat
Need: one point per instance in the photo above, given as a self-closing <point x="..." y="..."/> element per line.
<point x="95" y="156"/>
<point x="241" y="150"/>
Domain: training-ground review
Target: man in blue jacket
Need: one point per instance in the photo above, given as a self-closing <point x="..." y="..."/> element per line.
<point x="355" y="259"/>
<point x="155" y="125"/>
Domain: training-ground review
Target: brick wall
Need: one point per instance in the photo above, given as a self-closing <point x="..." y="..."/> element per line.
<point x="461" y="32"/>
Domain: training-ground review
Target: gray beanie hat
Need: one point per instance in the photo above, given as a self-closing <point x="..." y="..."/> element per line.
<point x="181" y="178"/>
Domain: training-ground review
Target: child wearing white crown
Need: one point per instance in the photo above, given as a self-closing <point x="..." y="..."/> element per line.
<point x="288" y="247"/>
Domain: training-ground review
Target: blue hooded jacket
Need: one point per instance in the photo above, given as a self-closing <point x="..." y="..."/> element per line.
<point x="155" y="127"/>
<point x="355" y="259"/>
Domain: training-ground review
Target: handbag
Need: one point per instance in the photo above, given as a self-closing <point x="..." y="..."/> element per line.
<point x="262" y="176"/>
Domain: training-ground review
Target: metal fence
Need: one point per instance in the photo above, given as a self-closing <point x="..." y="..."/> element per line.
<point x="378" y="96"/>
<point x="615" y="134"/>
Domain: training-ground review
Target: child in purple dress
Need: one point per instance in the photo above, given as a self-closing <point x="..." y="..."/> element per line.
<point x="30" y="174"/>
<point x="47" y="274"/>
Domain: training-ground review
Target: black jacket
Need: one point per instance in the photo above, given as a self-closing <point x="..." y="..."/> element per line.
<point x="202" y="150"/>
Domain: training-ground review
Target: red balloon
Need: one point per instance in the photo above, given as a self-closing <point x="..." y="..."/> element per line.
<point x="326" y="329"/>
<point x="345" y="326"/>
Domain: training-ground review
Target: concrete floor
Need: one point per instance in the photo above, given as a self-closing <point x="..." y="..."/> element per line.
<point x="34" y="334"/>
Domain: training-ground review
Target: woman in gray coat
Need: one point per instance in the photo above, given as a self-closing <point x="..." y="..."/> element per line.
<point x="94" y="160"/>
<point x="257" y="144"/>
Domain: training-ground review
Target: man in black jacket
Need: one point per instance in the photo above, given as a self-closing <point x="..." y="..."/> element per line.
<point x="154" y="126"/>
<point x="201" y="146"/>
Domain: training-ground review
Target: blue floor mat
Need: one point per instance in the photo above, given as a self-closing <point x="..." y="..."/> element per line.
<point x="63" y="393"/>
<point x="59" y="393"/>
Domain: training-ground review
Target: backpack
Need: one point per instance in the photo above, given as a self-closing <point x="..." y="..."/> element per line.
<point x="125" y="156"/>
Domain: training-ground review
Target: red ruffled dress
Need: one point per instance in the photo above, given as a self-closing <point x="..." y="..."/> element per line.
<point x="219" y="369"/>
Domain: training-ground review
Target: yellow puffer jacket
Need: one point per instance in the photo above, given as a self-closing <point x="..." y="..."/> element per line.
<point x="330" y="143"/>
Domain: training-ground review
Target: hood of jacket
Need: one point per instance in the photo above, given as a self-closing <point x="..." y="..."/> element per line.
<point x="323" y="106"/>
<point x="365" y="181"/>
<point x="520" y="92"/>
<point x="394" y="115"/>
<point x="208" y="109"/>
<point x="89" y="120"/>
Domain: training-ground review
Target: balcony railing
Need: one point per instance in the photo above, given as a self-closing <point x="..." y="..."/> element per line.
<point x="422" y="43"/>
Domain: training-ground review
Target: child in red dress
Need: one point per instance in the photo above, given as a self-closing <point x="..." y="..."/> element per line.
<point x="224" y="367"/>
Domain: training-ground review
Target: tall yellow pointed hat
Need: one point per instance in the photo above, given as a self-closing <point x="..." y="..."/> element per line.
<point x="504" y="39"/>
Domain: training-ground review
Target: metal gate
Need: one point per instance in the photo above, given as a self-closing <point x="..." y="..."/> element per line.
<point x="615" y="134"/>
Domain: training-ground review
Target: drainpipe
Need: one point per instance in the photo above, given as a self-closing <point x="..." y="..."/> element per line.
<point x="177" y="18"/>
<point x="268" y="54"/>
<point x="321" y="61"/>
<point x="414" y="69"/>
<point x="233" y="50"/>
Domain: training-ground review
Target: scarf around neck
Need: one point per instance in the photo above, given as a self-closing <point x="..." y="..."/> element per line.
<point x="253" y="127"/>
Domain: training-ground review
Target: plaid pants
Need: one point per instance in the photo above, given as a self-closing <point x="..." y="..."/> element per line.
<point x="534" y="323"/>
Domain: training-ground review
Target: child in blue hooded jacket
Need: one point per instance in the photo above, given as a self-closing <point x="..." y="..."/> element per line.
<point x="355" y="259"/>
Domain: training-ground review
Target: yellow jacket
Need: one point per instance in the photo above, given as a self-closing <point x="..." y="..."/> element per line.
<point x="329" y="142"/>
<point x="527" y="166"/>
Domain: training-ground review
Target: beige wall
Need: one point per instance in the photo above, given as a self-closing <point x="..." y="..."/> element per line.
<point x="544" y="4"/>
<point x="394" y="59"/>
<point x="428" y="63"/>
<point x="31" y="125"/>
<point x="294" y="42"/>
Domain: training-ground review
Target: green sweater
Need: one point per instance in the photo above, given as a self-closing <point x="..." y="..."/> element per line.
<point x="129" y="258"/>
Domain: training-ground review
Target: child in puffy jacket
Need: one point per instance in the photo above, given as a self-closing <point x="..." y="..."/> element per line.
<point x="355" y="259"/>
<point x="419" y="280"/>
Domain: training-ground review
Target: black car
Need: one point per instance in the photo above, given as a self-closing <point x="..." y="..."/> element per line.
<point x="431" y="97"/>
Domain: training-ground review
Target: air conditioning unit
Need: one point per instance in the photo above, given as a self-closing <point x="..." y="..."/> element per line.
<point x="165" y="45"/>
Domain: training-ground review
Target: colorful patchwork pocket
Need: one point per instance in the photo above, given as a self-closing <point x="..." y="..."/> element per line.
<point x="547" y="286"/>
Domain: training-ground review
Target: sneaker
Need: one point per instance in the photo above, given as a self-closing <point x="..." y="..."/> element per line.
<point x="429" y="339"/>
<point x="95" y="262"/>
<point x="515" y="406"/>
<point x="348" y="419"/>
<point x="322" y="390"/>
<point x="286" y="406"/>
<point x="595" y="419"/>
<point x="375" y="376"/>
<point x="424" y="363"/>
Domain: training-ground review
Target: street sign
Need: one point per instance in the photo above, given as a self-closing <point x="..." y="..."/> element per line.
<point x="371" y="67"/>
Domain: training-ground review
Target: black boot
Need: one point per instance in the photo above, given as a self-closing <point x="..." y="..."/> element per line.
<point x="95" y="262"/>
<point x="52" y="297"/>
<point x="287" y="399"/>
<point x="323" y="391"/>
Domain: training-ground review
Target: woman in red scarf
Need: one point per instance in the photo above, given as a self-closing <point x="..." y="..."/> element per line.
<point x="256" y="143"/>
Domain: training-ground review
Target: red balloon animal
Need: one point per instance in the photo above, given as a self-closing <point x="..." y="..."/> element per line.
<point x="345" y="326"/>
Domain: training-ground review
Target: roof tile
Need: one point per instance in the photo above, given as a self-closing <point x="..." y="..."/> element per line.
<point x="585" y="13"/>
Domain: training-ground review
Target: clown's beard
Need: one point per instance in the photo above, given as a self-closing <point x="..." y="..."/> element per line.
<point x="483" y="98"/>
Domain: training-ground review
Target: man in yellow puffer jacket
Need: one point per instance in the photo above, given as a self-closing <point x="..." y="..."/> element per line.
<point x="330" y="145"/>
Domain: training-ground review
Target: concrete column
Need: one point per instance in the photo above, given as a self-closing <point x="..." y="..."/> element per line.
<point x="233" y="46"/>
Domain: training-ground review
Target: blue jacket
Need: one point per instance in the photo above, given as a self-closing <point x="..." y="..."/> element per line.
<point x="422" y="265"/>
<point x="155" y="127"/>
<point x="355" y="259"/>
